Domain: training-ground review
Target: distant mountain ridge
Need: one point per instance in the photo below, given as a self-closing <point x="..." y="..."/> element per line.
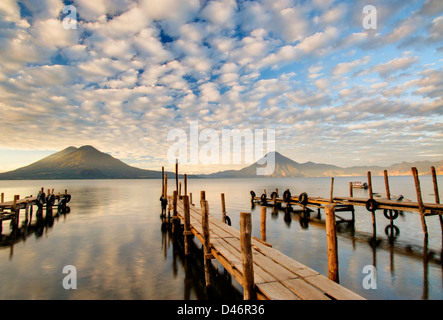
<point x="286" y="167"/>
<point x="87" y="162"/>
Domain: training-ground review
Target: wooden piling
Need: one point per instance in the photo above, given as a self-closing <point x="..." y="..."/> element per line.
<point x="186" y="183"/>
<point x="332" y="190"/>
<point x="351" y="189"/>
<point x="247" y="260"/>
<point x="190" y="199"/>
<point x="187" y="225"/>
<point x="206" y="242"/>
<point x="174" y="211"/>
<point x="223" y="205"/>
<point x="15" y="211"/>
<point x="371" y="196"/>
<point x="419" y="200"/>
<point x="202" y="196"/>
<point x="176" y="174"/>
<point x="163" y="181"/>
<point x="331" y="235"/>
<point x="436" y="195"/>
<point x="388" y="192"/>
<point x="263" y="223"/>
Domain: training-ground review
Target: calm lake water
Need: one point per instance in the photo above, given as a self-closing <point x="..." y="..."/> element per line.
<point x="114" y="237"/>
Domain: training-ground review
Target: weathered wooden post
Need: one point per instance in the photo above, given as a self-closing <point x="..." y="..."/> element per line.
<point x="187" y="224"/>
<point x="174" y="211"/>
<point x="190" y="199"/>
<point x="247" y="260"/>
<point x="274" y="199"/>
<point x="351" y="190"/>
<point x="202" y="196"/>
<point x="206" y="242"/>
<point x="388" y="191"/>
<point x="176" y="174"/>
<point x="420" y="200"/>
<point x="331" y="197"/>
<point x="223" y="205"/>
<point x="371" y="196"/>
<point x="16" y="211"/>
<point x="180" y="190"/>
<point x="331" y="236"/>
<point x="437" y="197"/>
<point x="163" y="181"/>
<point x="186" y="183"/>
<point x="263" y="223"/>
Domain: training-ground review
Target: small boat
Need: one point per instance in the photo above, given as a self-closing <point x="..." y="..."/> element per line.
<point x="360" y="185"/>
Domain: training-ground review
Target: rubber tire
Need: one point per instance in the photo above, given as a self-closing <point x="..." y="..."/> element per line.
<point x="303" y="198"/>
<point x="371" y="205"/>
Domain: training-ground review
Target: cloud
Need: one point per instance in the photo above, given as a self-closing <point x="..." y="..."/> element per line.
<point x="346" y="67"/>
<point x="134" y="69"/>
<point x="394" y="65"/>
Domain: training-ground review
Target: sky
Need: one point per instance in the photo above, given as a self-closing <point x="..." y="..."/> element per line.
<point x="333" y="89"/>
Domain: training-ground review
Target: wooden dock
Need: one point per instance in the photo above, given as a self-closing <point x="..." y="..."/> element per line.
<point x="275" y="275"/>
<point x="390" y="207"/>
<point x="10" y="210"/>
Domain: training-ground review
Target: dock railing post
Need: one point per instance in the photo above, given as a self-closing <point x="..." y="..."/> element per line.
<point x="371" y="196"/>
<point x="437" y="196"/>
<point x="187" y="230"/>
<point x="163" y="181"/>
<point x="176" y="175"/>
<point x="223" y="205"/>
<point x="388" y="191"/>
<point x="420" y="200"/>
<point x="331" y="235"/>
<point x="263" y="224"/>
<point x="174" y="211"/>
<point x="247" y="261"/>
<point x="206" y="242"/>
<point x="186" y="183"/>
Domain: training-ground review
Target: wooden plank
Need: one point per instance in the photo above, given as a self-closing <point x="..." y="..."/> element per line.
<point x="273" y="268"/>
<point x="304" y="290"/>
<point x="332" y="288"/>
<point x="294" y="266"/>
<point x="276" y="291"/>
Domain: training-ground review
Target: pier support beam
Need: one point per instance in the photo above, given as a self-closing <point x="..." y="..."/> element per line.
<point x="420" y="200"/>
<point x="247" y="261"/>
<point x="223" y="205"/>
<point x="331" y="235"/>
<point x="437" y="196"/>
<point x="263" y="224"/>
<point x="187" y="230"/>
<point x="206" y="242"/>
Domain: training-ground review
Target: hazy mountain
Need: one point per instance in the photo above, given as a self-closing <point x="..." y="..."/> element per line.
<point x="79" y="163"/>
<point x="89" y="163"/>
<point x="285" y="167"/>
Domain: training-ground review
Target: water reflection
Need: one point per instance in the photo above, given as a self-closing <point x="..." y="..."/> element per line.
<point x="194" y="281"/>
<point x="43" y="221"/>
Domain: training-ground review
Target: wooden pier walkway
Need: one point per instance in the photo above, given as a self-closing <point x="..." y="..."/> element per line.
<point x="10" y="210"/>
<point x="275" y="275"/>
